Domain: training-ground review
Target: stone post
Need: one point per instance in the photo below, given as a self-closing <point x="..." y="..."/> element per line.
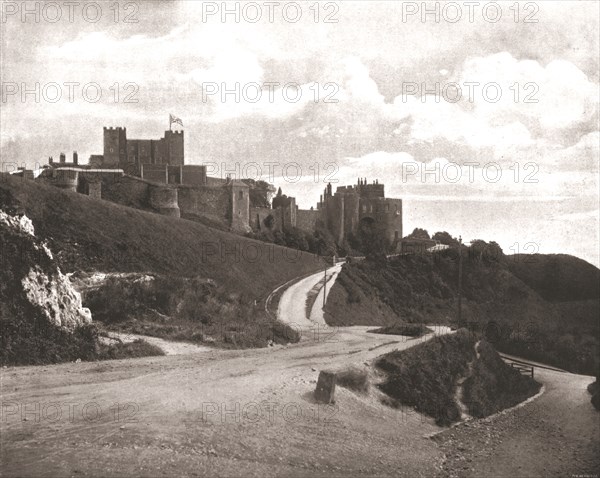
<point x="325" y="391"/>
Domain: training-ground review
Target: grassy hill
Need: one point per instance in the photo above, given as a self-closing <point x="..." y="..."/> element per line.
<point x="501" y="305"/>
<point x="557" y="277"/>
<point x="88" y="235"/>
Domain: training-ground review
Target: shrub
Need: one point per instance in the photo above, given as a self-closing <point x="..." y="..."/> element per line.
<point x="354" y="379"/>
<point x="410" y="330"/>
<point x="135" y="349"/>
<point x="493" y="385"/>
<point x="425" y="376"/>
<point x="193" y="309"/>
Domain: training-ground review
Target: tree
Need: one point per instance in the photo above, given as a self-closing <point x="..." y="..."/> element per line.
<point x="296" y="238"/>
<point x="419" y="233"/>
<point x="323" y="243"/>
<point x="260" y="193"/>
<point x="269" y="221"/>
<point x="482" y="251"/>
<point x="445" y="238"/>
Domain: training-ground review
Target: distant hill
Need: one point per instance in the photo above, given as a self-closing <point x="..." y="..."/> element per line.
<point x="557" y="277"/>
<point x="547" y="312"/>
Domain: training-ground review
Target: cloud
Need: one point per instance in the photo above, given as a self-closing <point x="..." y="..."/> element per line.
<point x="556" y="96"/>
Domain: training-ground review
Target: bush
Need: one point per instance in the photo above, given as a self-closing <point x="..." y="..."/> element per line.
<point x="410" y="330"/>
<point x="135" y="349"/>
<point x="493" y="385"/>
<point x="425" y="376"/>
<point x="354" y="379"/>
<point x="193" y="310"/>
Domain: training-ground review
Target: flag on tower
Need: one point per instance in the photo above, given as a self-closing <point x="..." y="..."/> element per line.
<point x="174" y="119"/>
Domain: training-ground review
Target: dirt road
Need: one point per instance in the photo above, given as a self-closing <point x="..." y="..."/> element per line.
<point x="292" y="307"/>
<point x="215" y="413"/>
<point x="251" y="413"/>
<point x="557" y="434"/>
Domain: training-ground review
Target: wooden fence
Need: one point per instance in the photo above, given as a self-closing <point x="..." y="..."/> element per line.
<point x="523" y="369"/>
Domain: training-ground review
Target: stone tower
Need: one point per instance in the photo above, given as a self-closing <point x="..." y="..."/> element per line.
<point x="115" y="147"/>
<point x="174" y="147"/>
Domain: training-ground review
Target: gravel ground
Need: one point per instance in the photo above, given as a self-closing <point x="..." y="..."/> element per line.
<point x="557" y="434"/>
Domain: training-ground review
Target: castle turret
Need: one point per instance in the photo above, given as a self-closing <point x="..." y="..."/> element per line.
<point x="174" y="146"/>
<point x="75" y="158"/>
<point x="62" y="157"/>
<point x="115" y="147"/>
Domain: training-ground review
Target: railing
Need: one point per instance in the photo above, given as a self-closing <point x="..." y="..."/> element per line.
<point x="523" y="369"/>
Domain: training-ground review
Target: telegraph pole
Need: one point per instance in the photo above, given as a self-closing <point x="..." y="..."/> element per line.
<point x="324" y="284"/>
<point x="459" y="279"/>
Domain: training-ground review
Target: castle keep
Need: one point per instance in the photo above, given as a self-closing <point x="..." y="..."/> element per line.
<point x="120" y="151"/>
<point x="152" y="174"/>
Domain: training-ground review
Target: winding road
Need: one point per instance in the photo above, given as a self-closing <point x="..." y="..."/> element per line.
<point x="215" y="412"/>
<point x="251" y="413"/>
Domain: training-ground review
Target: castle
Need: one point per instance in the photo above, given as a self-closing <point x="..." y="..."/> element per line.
<point x="152" y="174"/>
<point x="343" y="213"/>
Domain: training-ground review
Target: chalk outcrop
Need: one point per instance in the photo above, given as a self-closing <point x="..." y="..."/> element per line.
<point x="30" y="262"/>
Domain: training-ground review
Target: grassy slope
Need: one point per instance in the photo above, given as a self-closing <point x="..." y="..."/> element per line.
<point x="93" y="235"/>
<point x="426" y="377"/>
<point x="422" y="289"/>
<point x="493" y="385"/>
<point x="557" y="277"/>
<point x="88" y="234"/>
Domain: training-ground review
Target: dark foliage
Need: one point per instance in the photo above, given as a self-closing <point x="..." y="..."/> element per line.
<point x="425" y="376"/>
<point x="193" y="310"/>
<point x="137" y="348"/>
<point x="422" y="288"/>
<point x="494" y="385"/>
<point x="409" y="330"/>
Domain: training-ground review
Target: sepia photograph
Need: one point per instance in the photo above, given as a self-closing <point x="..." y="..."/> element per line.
<point x="352" y="238"/>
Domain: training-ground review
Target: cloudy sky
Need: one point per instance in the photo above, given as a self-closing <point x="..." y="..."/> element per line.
<point x="484" y="120"/>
